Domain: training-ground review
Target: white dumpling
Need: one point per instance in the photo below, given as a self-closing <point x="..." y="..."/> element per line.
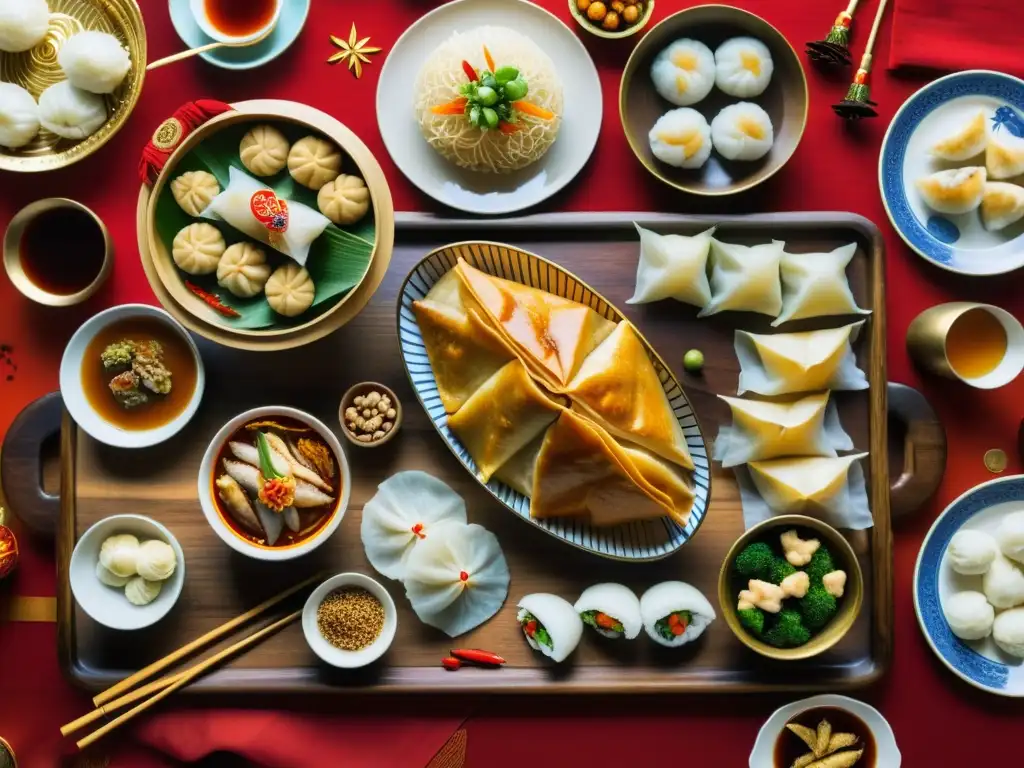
<point x="815" y="285"/>
<point x="681" y="138"/>
<point x="684" y="73"/>
<point x="23" y="24"/>
<point x="243" y="270"/>
<point x="313" y="162"/>
<point x="408" y="508"/>
<point x="550" y="625"/>
<point x="290" y="290"/>
<point x="94" y="61"/>
<point x="969" y="615"/>
<point x="458" y="580"/>
<point x="672" y="267"/>
<point x="70" y="112"/>
<point x="668" y="597"/>
<point x="745" y="278"/>
<point x="616" y="601"/>
<point x="806" y="484"/>
<point x="1002" y="204"/>
<point x="967" y="140"/>
<point x="1008" y="632"/>
<point x="108" y="577"/>
<point x="345" y="200"/>
<point x="198" y="248"/>
<point x="118" y="554"/>
<point x="139" y="591"/>
<point x="742" y="132"/>
<point x="264" y="150"/>
<point x="156" y="560"/>
<point x="1003" y="583"/>
<point x="19" y="116"/>
<point x="743" y="67"/>
<point x="956" y="190"/>
<point x="194" y="191"/>
<point x="784" y="363"/>
<point x="1010" y="535"/>
<point x="971" y="552"/>
<point x="1004" y="155"/>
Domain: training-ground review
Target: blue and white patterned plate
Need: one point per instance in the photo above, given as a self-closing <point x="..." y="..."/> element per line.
<point x="955" y="243"/>
<point x="980" y="663"/>
<point x="636" y="542"/>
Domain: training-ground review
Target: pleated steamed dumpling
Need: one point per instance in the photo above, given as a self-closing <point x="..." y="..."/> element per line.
<point x="743" y="67"/>
<point x="118" y="554"/>
<point x="243" y="270"/>
<point x="806" y="484"/>
<point x="956" y="190"/>
<point x="408" y="509"/>
<point x="745" y="278"/>
<point x="140" y="591"/>
<point x="94" y="61"/>
<point x="198" y="248"/>
<point x="684" y="73"/>
<point x="264" y="150"/>
<point x="550" y="625"/>
<point x="194" y="190"/>
<point x="70" y="112"/>
<point x="969" y="139"/>
<point x="1002" y="204"/>
<point x="23" y="24"/>
<point x="108" y="577"/>
<point x="345" y="200"/>
<point x="457" y="581"/>
<point x="681" y="138"/>
<point x="156" y="560"/>
<point x="815" y="285"/>
<point x="742" y="131"/>
<point x="313" y="162"/>
<point x="290" y="290"/>
<point x="1004" y="154"/>
<point x="19" y="116"/>
<point x="672" y="267"/>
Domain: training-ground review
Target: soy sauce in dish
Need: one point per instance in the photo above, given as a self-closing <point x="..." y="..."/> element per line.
<point x="788" y="747"/>
<point x="240" y="18"/>
<point x="62" y="251"/>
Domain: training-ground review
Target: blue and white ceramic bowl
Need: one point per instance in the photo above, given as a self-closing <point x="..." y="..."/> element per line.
<point x="955" y="243"/>
<point x="636" y="542"/>
<point x="980" y="662"/>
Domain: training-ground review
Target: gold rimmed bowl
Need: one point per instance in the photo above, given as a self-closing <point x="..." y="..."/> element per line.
<point x="37" y="69"/>
<point x="785" y="99"/>
<point x="623" y="30"/>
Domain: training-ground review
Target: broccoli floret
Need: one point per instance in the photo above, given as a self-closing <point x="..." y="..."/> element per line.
<point x="821" y="563"/>
<point x="752" y="620"/>
<point x="789" y="631"/>
<point x="755" y="561"/>
<point x="781" y="568"/>
<point x="817" y="607"/>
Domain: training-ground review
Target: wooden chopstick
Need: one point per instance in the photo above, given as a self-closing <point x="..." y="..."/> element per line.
<point x="214" y="634"/>
<point x="188" y="676"/>
<point x="119" y="703"/>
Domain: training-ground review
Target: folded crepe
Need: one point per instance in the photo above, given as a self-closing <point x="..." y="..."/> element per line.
<point x="618" y="387"/>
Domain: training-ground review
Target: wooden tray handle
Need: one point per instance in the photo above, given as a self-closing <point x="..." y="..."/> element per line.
<point x="924" y="451"/>
<point x="21" y="460"/>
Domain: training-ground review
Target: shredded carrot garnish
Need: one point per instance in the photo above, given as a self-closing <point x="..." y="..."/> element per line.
<point x="456" y="107"/>
<point x="508" y="128"/>
<point x="470" y="72"/>
<point x="490" y="60"/>
<point x="528" y="108"/>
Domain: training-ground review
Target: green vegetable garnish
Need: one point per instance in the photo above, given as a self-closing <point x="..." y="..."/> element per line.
<point x="506" y="75"/>
<point x="755" y="561"/>
<point x="266" y="458"/>
<point x="590" y="619"/>
<point x="752" y="620"/>
<point x="781" y="568"/>
<point x="693" y="361"/>
<point x="817" y="607"/>
<point x="516" y="90"/>
<point x="789" y="631"/>
<point x="821" y="563"/>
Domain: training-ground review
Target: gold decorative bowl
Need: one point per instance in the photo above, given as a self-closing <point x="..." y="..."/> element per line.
<point x="37" y="69"/>
<point x="595" y="28"/>
<point x="729" y="586"/>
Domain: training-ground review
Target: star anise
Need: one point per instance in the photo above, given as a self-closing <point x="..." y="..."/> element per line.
<point x="354" y="51"/>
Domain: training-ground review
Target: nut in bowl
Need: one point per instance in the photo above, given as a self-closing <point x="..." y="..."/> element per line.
<point x="612" y="19"/>
<point x="790" y="588"/>
<point x="370" y="414"/>
<point x="274" y="483"/>
<point x="349" y="621"/>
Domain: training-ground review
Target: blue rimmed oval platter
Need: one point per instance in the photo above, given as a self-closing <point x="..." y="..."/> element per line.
<point x="634" y="542"/>
<point x="980" y="662"/>
<point x="958" y="243"/>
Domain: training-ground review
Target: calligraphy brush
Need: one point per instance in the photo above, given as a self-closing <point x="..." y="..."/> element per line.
<point x="858" y="104"/>
<point x="835" y="48"/>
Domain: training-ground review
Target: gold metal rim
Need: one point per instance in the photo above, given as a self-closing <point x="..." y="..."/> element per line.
<point x="588" y="25"/>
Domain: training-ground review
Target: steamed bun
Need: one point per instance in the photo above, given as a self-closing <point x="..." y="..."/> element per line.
<point x="23" y="24"/>
<point x="1008" y="632"/>
<point x="108" y="577"/>
<point x="742" y="131"/>
<point x="264" y="150"/>
<point x="94" y="61"/>
<point x="313" y="162"/>
<point x="743" y="67"/>
<point x="118" y="554"/>
<point x="139" y="591"/>
<point x="971" y="552"/>
<point x="1010" y="535"/>
<point x="19" y="116"/>
<point x="682" y="138"/>
<point x="344" y="200"/>
<point x="156" y="560"/>
<point x="243" y="270"/>
<point x="684" y="72"/>
<point x="969" y="615"/>
<point x="1003" y="584"/>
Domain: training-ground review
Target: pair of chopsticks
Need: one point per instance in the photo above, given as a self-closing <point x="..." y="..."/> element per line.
<point x="120" y="695"/>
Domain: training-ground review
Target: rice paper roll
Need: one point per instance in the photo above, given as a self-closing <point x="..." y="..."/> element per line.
<point x="255" y="210"/>
<point x="612" y="610"/>
<point x="815" y="285"/>
<point x="550" y="625"/>
<point x="672" y="267"/>
<point x="675" y="613"/>
<point x="745" y="278"/>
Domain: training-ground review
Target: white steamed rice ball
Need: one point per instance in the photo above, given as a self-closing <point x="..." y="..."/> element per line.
<point x="1010" y="535"/>
<point x="971" y="552"/>
<point x="743" y="67"/>
<point x="19" y="116"/>
<point x="662" y="600"/>
<point x="681" y="138"/>
<point x="557" y="618"/>
<point x="969" y="615"/>
<point x="616" y="601"/>
<point x="684" y="73"/>
<point x="1003" y="583"/>
<point x="94" y="61"/>
<point x="23" y="24"/>
<point x="1008" y="632"/>
<point x="742" y="131"/>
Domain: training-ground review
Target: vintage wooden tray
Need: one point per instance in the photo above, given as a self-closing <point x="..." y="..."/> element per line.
<point x="602" y="249"/>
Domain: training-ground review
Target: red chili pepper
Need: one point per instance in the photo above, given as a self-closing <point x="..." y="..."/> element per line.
<point x="530" y="628"/>
<point x="451" y="664"/>
<point x="476" y="656"/>
<point x="212" y="300"/>
<point x="470" y="72"/>
<point x="605" y="621"/>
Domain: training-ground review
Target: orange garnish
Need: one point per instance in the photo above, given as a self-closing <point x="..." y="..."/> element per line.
<point x="456" y="107"/>
<point x="529" y="108"/>
<point x="508" y="128"/>
<point x="489" y="59"/>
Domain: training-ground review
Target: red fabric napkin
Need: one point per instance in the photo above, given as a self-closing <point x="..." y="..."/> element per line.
<point x="955" y="35"/>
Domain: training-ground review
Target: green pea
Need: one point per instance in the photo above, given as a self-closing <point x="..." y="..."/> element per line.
<point x="491" y="117"/>
<point x="693" y="361"/>
<point x="506" y="74"/>
<point x="486" y="96"/>
<point x="489" y="81"/>
<point x="516" y="89"/>
<point x="476" y="116"/>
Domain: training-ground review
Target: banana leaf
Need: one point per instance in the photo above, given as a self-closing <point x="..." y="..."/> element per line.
<point x="338" y="258"/>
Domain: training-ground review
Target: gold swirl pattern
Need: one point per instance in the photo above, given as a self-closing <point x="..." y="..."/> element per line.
<point x="37" y="69"/>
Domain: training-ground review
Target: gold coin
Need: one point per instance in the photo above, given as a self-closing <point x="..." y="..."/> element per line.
<point x="995" y="460"/>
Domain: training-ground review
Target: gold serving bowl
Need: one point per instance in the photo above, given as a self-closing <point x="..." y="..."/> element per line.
<point x="37" y="69"/>
<point x="596" y="29"/>
<point x="785" y="99"/>
<point x="729" y="586"/>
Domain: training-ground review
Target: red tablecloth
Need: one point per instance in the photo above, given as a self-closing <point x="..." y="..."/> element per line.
<point x="937" y="719"/>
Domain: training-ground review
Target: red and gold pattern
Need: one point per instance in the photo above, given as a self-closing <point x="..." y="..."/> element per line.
<point x="8" y="547"/>
<point x="272" y="212"/>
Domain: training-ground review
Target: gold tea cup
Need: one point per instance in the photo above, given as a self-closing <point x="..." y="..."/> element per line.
<point x="13" y="254"/>
<point x="928" y="344"/>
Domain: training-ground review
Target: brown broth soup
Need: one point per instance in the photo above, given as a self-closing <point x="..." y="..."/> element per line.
<point x="62" y="251"/>
<point x="789" y="747"/>
<point x="159" y="409"/>
<point x="311" y="519"/>
<point x="240" y="18"/>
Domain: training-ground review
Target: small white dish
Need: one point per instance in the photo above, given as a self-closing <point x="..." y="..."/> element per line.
<point x="488" y="193"/>
<point x="888" y="754"/>
<point x="337" y="657"/>
<point x="108" y="605"/>
<point x="228" y="534"/>
<point x="78" y="404"/>
<point x="202" y="18"/>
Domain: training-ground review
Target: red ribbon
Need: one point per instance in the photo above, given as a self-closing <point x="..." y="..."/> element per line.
<point x="172" y="132"/>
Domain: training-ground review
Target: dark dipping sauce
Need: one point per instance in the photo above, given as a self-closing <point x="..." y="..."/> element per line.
<point x="240" y="18"/>
<point x="62" y="251"/>
<point x="159" y="409"/>
<point x="789" y="747"/>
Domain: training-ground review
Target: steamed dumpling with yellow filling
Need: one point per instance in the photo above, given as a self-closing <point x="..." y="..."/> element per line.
<point x="966" y="142"/>
<point x="197" y="249"/>
<point x="684" y="73"/>
<point x="264" y="150"/>
<point x="194" y="190"/>
<point x="290" y="290"/>
<point x="743" y="67"/>
<point x="243" y="270"/>
<point x="681" y="138"/>
<point x="957" y="190"/>
<point x="1002" y="204"/>
<point x="313" y="162"/>
<point x="742" y="131"/>
<point x="1004" y="155"/>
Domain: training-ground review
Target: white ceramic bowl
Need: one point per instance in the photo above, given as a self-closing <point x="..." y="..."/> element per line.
<point x="81" y="409"/>
<point x="888" y="754"/>
<point x="337" y="657"/>
<point x="108" y="605"/>
<point x="226" y="533"/>
<point x="198" y="8"/>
